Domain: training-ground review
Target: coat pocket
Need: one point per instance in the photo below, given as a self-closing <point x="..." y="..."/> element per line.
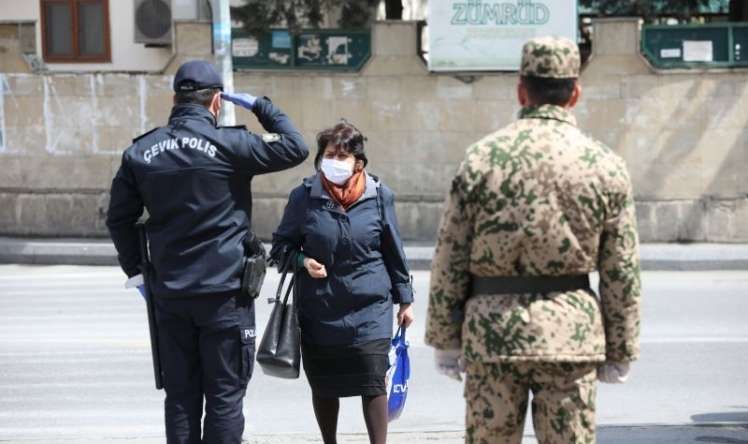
<point x="373" y="283"/>
<point x="246" y="354"/>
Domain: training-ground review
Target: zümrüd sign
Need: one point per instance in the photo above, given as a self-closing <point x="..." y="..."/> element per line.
<point x="487" y="35"/>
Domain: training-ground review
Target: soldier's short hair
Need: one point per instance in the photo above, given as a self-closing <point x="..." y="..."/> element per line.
<point x="344" y="137"/>
<point x="200" y="97"/>
<point x="549" y="91"/>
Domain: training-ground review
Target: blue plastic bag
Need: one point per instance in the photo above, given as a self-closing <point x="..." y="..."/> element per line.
<point x="398" y="375"/>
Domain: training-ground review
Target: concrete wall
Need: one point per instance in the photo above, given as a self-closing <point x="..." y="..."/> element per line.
<point x="683" y="134"/>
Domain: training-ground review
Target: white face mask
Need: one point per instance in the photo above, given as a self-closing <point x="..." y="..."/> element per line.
<point x="336" y="171"/>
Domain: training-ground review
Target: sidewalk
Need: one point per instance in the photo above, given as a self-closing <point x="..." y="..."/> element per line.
<point x="637" y="434"/>
<point x="655" y="257"/>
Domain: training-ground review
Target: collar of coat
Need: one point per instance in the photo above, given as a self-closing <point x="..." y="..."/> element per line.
<point x="317" y="190"/>
<point x="548" y="112"/>
<point x="192" y="111"/>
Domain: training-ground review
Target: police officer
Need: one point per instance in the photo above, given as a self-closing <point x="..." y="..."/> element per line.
<point x="194" y="178"/>
<point x="534" y="208"/>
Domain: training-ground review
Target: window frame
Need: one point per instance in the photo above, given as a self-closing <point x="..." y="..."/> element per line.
<point x="76" y="57"/>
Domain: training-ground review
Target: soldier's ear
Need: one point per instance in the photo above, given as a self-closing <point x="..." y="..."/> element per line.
<point x="522" y="96"/>
<point x="576" y="94"/>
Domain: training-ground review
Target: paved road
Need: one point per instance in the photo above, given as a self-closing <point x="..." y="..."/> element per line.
<point x="75" y="368"/>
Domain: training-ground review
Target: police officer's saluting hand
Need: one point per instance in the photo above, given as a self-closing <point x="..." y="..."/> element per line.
<point x="194" y="179"/>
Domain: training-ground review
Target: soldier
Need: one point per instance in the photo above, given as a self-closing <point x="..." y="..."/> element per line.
<point x="194" y="179"/>
<point x="534" y="208"/>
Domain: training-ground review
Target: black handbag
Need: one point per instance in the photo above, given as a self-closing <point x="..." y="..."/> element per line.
<point x="279" y="353"/>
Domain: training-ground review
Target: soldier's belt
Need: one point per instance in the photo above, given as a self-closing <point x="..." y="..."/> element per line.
<point x="528" y="284"/>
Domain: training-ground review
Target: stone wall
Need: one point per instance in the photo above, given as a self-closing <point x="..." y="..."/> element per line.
<point x="16" y="39"/>
<point x="683" y="134"/>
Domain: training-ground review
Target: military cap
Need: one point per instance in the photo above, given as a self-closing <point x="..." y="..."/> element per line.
<point x="196" y="75"/>
<point x="551" y="58"/>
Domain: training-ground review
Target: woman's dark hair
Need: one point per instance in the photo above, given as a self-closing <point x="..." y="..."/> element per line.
<point x="344" y="137"/>
<point x="544" y="91"/>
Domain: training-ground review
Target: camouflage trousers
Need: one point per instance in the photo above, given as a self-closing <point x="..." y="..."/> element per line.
<point x="563" y="402"/>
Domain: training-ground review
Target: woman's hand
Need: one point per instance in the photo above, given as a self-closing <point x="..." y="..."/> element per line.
<point x="315" y="269"/>
<point x="405" y="315"/>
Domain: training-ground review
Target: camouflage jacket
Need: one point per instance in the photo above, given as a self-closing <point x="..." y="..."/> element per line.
<point x="538" y="198"/>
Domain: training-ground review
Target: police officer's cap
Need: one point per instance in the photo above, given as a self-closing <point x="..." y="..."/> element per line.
<point x="196" y="75"/>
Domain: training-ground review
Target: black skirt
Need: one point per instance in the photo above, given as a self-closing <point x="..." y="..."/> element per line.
<point x="346" y="370"/>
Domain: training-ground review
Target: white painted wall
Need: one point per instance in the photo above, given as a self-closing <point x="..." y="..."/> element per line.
<point x="126" y="54"/>
<point x="15" y="10"/>
<point x="183" y="9"/>
<point x="191" y="9"/>
<point x="412" y="10"/>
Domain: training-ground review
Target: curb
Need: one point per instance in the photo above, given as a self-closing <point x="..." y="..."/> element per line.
<point x="655" y="257"/>
<point x="57" y="251"/>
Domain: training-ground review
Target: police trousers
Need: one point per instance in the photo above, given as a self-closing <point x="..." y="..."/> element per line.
<point x="207" y="356"/>
<point x="563" y="402"/>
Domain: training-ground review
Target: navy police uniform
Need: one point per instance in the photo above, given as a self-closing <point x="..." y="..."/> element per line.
<point x="193" y="178"/>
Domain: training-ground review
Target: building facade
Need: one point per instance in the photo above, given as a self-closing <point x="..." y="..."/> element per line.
<point x="63" y="126"/>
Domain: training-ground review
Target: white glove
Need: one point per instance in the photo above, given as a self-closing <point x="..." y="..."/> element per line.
<point x="613" y="372"/>
<point x="135" y="281"/>
<point x="449" y="363"/>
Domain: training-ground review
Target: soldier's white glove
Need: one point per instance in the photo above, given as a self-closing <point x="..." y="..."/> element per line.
<point x="449" y="363"/>
<point x="613" y="372"/>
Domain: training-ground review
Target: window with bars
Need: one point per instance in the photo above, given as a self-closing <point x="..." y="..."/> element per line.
<point x="75" y="31"/>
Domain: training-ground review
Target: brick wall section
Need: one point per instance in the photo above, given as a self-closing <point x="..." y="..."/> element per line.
<point x="684" y="135"/>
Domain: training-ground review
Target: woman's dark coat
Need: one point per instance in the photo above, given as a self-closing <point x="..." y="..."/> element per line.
<point x="363" y="255"/>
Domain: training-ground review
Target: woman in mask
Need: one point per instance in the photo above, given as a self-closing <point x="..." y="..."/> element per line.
<point x="340" y="227"/>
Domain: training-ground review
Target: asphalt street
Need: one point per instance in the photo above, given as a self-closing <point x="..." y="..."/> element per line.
<point x="75" y="368"/>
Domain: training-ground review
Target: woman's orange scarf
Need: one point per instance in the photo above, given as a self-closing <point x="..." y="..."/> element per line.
<point x="350" y="192"/>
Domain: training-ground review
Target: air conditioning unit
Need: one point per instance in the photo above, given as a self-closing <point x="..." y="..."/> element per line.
<point x="153" y="22"/>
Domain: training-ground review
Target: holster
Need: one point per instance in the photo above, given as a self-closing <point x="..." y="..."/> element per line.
<point x="254" y="267"/>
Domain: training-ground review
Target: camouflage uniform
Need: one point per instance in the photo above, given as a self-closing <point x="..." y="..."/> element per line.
<point x="537" y="198"/>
